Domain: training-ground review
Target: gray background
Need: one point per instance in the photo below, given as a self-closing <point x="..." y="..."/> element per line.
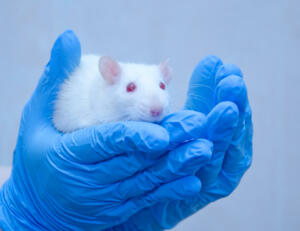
<point x="262" y="37"/>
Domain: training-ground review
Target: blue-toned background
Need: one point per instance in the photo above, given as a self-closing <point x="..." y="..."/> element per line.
<point x="262" y="37"/>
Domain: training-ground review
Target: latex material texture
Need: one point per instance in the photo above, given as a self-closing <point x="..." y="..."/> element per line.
<point x="93" y="178"/>
<point x="127" y="175"/>
<point x="219" y="91"/>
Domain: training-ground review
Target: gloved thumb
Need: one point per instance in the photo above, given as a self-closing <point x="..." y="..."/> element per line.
<point x="65" y="57"/>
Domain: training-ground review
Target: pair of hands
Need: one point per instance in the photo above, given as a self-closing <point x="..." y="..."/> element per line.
<point x="127" y="175"/>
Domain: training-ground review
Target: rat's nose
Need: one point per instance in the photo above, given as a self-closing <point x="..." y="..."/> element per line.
<point x="156" y="111"/>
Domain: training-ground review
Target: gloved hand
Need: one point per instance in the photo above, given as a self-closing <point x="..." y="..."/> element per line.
<point x="211" y="84"/>
<point x="97" y="177"/>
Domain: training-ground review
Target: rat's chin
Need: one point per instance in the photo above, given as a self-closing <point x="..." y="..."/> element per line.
<point x="145" y="117"/>
<point x="152" y="119"/>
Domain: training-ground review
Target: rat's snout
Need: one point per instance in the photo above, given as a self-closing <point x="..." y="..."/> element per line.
<point x="156" y="111"/>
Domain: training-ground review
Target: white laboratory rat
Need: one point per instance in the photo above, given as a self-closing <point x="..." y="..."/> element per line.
<point x="102" y="90"/>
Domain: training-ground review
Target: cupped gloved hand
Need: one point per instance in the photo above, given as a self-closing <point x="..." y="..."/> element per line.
<point x="98" y="177"/>
<point x="219" y="91"/>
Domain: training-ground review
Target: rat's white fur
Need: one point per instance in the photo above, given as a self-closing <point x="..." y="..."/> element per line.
<point x="86" y="99"/>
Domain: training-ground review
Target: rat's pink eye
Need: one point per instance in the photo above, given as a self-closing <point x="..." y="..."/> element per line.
<point x="130" y="87"/>
<point x="162" y="85"/>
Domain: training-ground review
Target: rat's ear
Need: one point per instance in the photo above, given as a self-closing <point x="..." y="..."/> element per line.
<point x="166" y="71"/>
<point x="109" y="69"/>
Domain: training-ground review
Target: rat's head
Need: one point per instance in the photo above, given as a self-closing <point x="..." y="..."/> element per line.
<point x="141" y="89"/>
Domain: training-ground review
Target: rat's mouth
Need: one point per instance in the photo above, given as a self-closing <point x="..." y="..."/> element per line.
<point x="150" y="114"/>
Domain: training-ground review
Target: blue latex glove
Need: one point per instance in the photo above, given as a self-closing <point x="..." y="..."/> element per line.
<point x="98" y="177"/>
<point x="211" y="84"/>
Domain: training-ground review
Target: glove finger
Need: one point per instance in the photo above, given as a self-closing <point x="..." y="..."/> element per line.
<point x="234" y="168"/>
<point x="183" y="161"/>
<point x="65" y="57"/>
<point x="236" y="161"/>
<point x="103" y="142"/>
<point x="104" y="173"/>
<point x="167" y="215"/>
<point x="221" y="124"/>
<point x="200" y="96"/>
<point x="175" y="190"/>
<point x="183" y="126"/>
<point x="233" y="88"/>
<point x="227" y="70"/>
<point x="239" y="155"/>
